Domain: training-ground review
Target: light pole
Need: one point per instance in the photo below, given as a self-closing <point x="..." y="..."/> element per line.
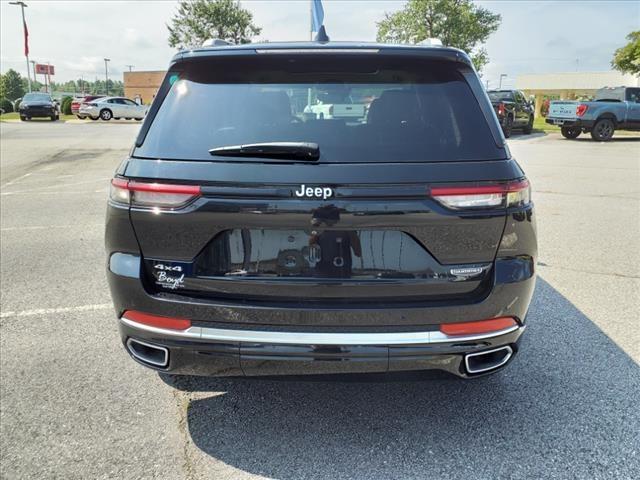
<point x="106" y="76"/>
<point x="130" y="66"/>
<point x="33" y="64"/>
<point x="26" y="38"/>
<point x="502" y="75"/>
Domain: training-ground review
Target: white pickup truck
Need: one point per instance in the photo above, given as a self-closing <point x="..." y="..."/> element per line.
<point x="337" y="110"/>
<point x="613" y="109"/>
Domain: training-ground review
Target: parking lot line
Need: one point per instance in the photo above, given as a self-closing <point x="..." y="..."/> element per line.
<point x="47" y="227"/>
<point x="16" y="180"/>
<point x="47" y="311"/>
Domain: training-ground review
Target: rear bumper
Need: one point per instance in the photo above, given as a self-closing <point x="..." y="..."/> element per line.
<point x="573" y="123"/>
<point x="229" y="339"/>
<point x="224" y="352"/>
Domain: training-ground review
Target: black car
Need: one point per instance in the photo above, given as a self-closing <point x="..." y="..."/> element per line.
<point x="246" y="237"/>
<point x="513" y="110"/>
<point x="37" y="104"/>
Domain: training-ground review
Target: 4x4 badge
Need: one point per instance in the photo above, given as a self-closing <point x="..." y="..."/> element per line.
<point x="170" y="268"/>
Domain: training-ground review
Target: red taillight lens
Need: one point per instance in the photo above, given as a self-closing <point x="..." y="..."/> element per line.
<point x="152" y="194"/>
<point x="501" y="109"/>
<point x="581" y="109"/>
<point x="484" y="196"/>
<point x="482" y="326"/>
<point x="157" y="320"/>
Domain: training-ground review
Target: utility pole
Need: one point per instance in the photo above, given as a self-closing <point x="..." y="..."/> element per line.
<point x="26" y="38"/>
<point x="130" y="66"/>
<point x="49" y="77"/>
<point x="33" y="64"/>
<point x="502" y="75"/>
<point x="106" y="76"/>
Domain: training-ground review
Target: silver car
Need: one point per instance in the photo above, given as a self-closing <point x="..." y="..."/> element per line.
<point x="113" y="107"/>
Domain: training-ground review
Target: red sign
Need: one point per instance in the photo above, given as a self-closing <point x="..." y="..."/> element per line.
<point x="45" y="69"/>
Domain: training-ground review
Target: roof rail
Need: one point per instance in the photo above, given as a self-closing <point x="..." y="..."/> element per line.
<point x="215" y="42"/>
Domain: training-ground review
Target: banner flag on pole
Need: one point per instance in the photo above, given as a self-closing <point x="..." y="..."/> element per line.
<point x="26" y="39"/>
<point x="317" y="15"/>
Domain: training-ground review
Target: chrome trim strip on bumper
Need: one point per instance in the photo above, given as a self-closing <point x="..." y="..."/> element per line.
<point x="315" y="338"/>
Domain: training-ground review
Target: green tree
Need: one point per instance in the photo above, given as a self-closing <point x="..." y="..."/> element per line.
<point x="458" y="23"/>
<point x="12" y="85"/>
<point x="200" y="20"/>
<point x="627" y="58"/>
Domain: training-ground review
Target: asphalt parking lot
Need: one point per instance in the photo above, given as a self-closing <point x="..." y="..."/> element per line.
<point x="73" y="405"/>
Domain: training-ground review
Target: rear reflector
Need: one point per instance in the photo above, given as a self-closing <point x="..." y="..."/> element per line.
<point x="157" y="320"/>
<point x="482" y="326"/>
<point x="152" y="194"/>
<point x="483" y="196"/>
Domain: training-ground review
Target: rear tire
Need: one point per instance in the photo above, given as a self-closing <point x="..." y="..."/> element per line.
<point x="570" y="132"/>
<point x="23" y="118"/>
<point x="127" y="118"/>
<point x="603" y="130"/>
<point x="81" y="117"/>
<point x="106" y="115"/>
<point x="508" y="126"/>
<point x="94" y="118"/>
<point x="529" y="127"/>
<point x="116" y="118"/>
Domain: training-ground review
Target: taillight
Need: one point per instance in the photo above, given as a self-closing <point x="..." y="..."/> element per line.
<point x="512" y="194"/>
<point x="144" y="194"/>
<point x="482" y="326"/>
<point x="157" y="320"/>
<point x="501" y="109"/>
<point x="581" y="109"/>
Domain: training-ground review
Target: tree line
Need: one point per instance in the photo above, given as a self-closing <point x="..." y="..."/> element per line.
<point x="457" y="23"/>
<point x="14" y="86"/>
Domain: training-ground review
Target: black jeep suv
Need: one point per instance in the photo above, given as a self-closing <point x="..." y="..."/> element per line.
<point x="253" y="230"/>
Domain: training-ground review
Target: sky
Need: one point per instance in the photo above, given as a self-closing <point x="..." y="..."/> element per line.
<point x="534" y="36"/>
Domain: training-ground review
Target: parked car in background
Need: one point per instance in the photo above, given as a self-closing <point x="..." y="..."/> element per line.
<point x="75" y="104"/>
<point x="107" y="108"/>
<point x="37" y="104"/>
<point x="614" y="108"/>
<point x="513" y="110"/>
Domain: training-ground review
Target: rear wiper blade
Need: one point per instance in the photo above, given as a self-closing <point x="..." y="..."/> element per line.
<point x="284" y="150"/>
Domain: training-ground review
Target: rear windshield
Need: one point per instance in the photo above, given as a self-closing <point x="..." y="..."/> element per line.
<point x="500" y="96"/>
<point x="355" y="109"/>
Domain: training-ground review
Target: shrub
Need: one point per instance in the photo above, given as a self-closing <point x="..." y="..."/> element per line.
<point x="6" y="105"/>
<point x="65" y="105"/>
<point x="544" y="109"/>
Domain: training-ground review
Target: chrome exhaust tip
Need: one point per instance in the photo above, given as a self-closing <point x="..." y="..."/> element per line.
<point x="488" y="360"/>
<point x="148" y="354"/>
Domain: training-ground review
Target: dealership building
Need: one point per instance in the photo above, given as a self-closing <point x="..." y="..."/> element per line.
<point x="571" y="86"/>
<point x="564" y="86"/>
<point x="143" y="84"/>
